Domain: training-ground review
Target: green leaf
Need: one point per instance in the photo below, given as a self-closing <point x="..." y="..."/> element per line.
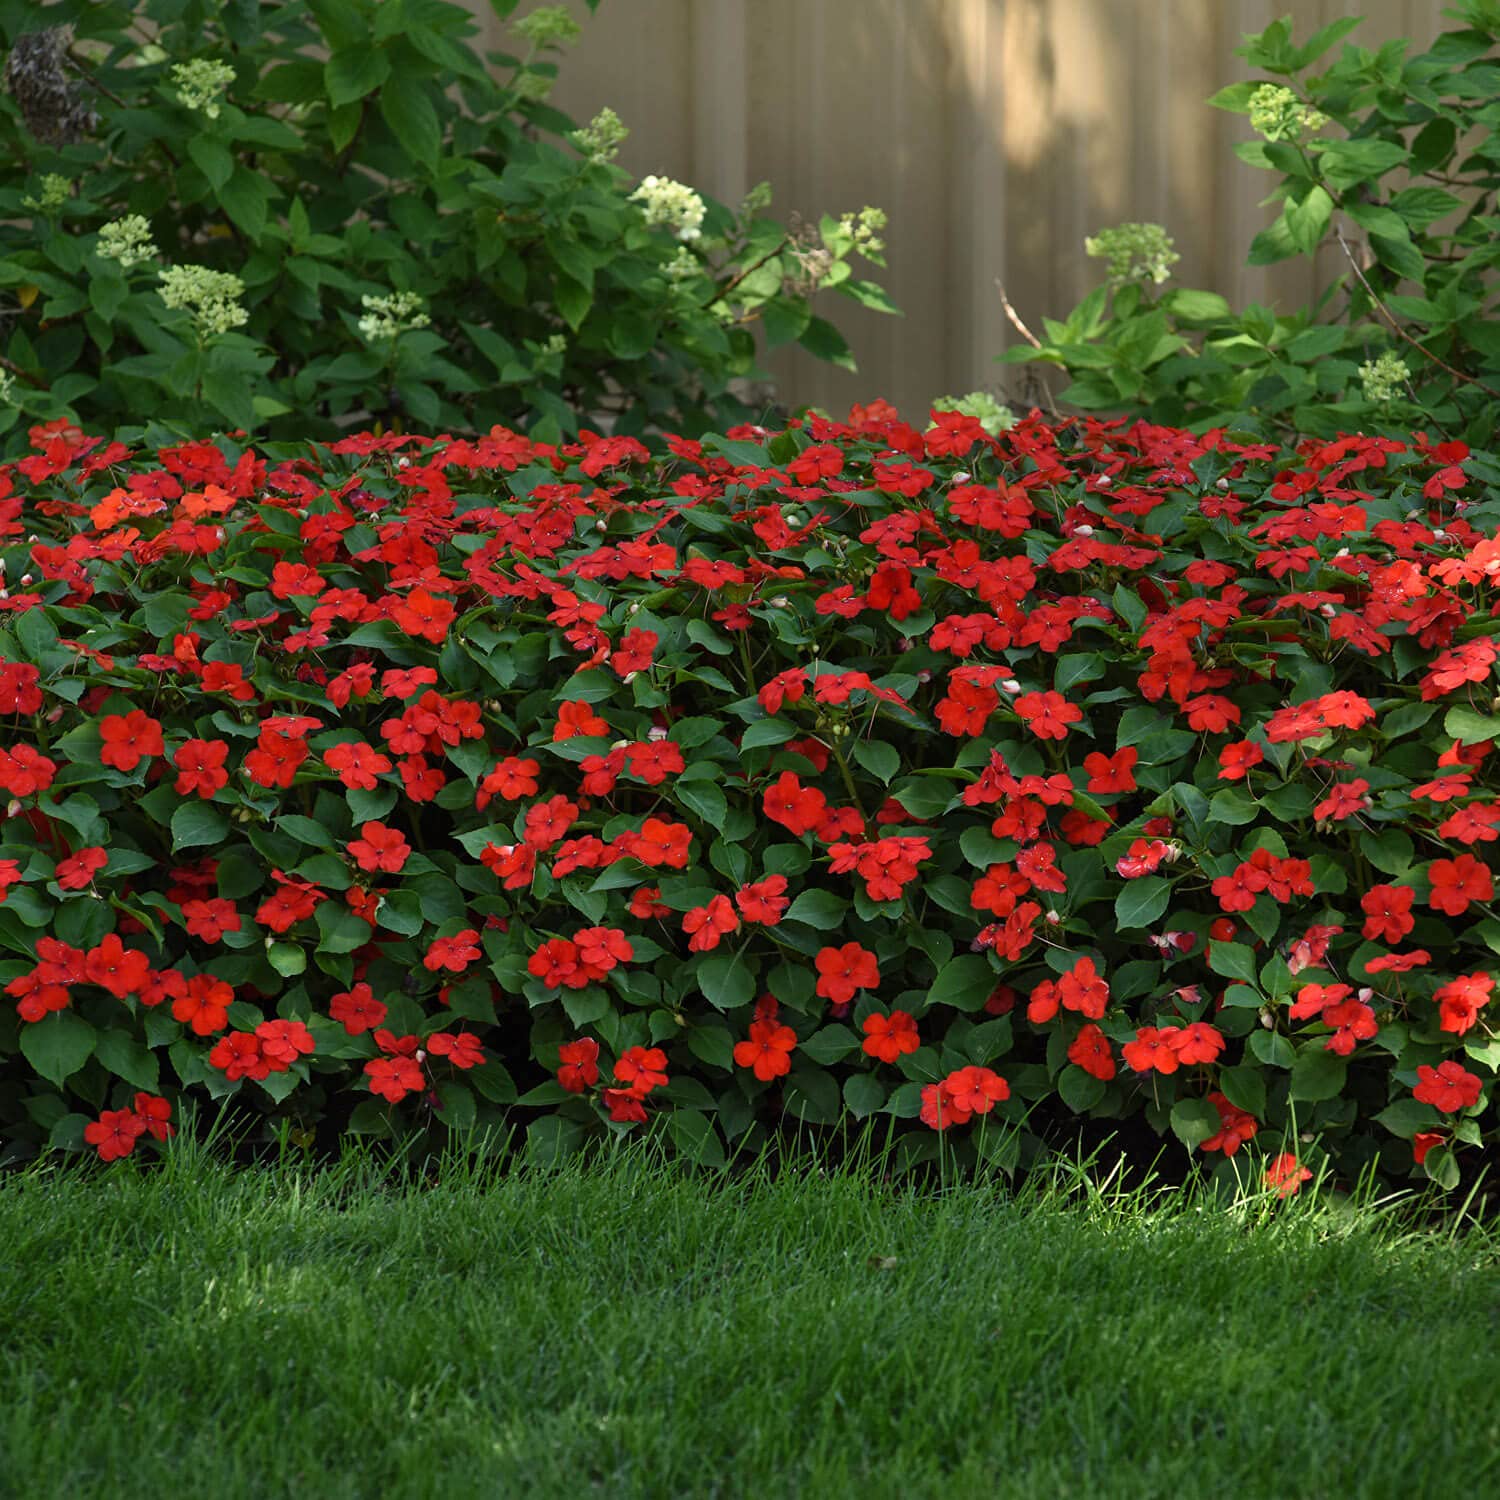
<point x="965" y="983"/>
<point x="830" y="1045"/>
<point x="1233" y="961"/>
<point x="1318" y="1073"/>
<point x="353" y="72"/>
<point x="1079" y="1090"/>
<point x="58" y="1045"/>
<point x="245" y="198"/>
<point x="1245" y="1088"/>
<point x="693" y="1134"/>
<point x="1469" y="727"/>
<point x="1306" y="221"/>
<point x="1441" y="1166"/>
<point x="880" y="759"/>
<point x="287" y="959"/>
<point x="820" y="909"/>
<point x="1194" y="1121"/>
<point x="823" y="340"/>
<point x="864" y="1094"/>
<point x="1142" y="901"/>
<point x="128" y="1059"/>
<point x="767" y="732"/>
<point x="212" y="158"/>
<point x="196" y="823"/>
<point x="1272" y="1049"/>
<point x="408" y="110"/>
<point x="726" y="981"/>
<point x="702" y="797"/>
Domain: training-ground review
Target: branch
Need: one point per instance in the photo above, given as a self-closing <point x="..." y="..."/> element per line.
<point x="25" y="375"/>
<point x="1399" y="331"/>
<point x="1015" y="318"/>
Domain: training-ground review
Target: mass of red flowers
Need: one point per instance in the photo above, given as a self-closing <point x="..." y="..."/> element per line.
<point x="864" y="768"/>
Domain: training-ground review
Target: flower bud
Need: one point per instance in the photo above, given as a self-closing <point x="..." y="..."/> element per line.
<point x="1053" y="918"/>
<point x="780" y="602"/>
<point x="1010" y="685"/>
<point x="13" y="807"/>
<point x="1083" y="531"/>
<point x="1222" y="484"/>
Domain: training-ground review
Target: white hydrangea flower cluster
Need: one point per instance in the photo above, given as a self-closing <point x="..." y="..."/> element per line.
<point x="548" y="25"/>
<point x="1384" y="378"/>
<point x="388" y="317"/>
<point x="682" y="265"/>
<point x="864" y="228"/>
<point x="211" y="296"/>
<point x="672" y="204"/>
<point x="55" y="191"/>
<point x="126" y="240"/>
<point x="600" y="140"/>
<point x="7" y="385"/>
<point x="1136" y="252"/>
<point x="201" y="84"/>
<point x="1278" y="115"/>
<point x="992" y="415"/>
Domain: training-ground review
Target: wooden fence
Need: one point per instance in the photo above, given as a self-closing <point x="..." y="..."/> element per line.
<point x="995" y="133"/>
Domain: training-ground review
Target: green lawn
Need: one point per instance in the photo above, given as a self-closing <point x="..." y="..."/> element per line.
<point x="626" y="1330"/>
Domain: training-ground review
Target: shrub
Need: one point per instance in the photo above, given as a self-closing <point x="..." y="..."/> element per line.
<point x="981" y="783"/>
<point x="1404" y="332"/>
<point x="302" y="219"/>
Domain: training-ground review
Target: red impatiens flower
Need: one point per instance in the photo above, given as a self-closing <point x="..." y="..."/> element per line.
<point x="1387" y="910"/>
<point x="1090" y="1050"/>
<point x="115" y="1133"/>
<point x="393" y="1078"/>
<point x="1236" y="1126"/>
<point x="205" y="1005"/>
<point x="155" y="1113"/>
<point x="120" y="970"/>
<point x="1286" y="1174"/>
<point x="200" y="767"/>
<point x="642" y="1068"/>
<point x="1111" y="773"/>
<point x="578" y="1064"/>
<point x="708" y="924"/>
<point x="1048" y="715"/>
<point x="1456" y="883"/>
<point x="76" y="873"/>
<point x="239" y="1055"/>
<point x="764" y="901"/>
<point x="210" y="920"/>
<point x="462" y="1050"/>
<point x="511" y="780"/>
<point x="1151" y="1050"/>
<point x="794" y="806"/>
<point x="956" y="1099"/>
<point x="357" y="1009"/>
<point x="454" y="953"/>
<point x="1460" y="1001"/>
<point x="356" y="764"/>
<point x="1084" y="990"/>
<point x="889" y="1037"/>
<point x="578" y="717"/>
<point x="128" y="739"/>
<point x="1196" y="1043"/>
<point x="283" y="1042"/>
<point x="768" y="1053"/>
<point x="1449" y="1086"/>
<point x="380" y="848"/>
<point x="24" y="770"/>
<point x="842" y="971"/>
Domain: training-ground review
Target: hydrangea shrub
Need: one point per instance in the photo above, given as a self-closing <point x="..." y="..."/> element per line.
<point x="974" y="784"/>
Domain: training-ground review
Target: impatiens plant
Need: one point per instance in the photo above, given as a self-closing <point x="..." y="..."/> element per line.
<point x="974" y="785"/>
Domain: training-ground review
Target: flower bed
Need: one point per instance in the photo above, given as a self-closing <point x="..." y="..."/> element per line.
<point x="980" y="783"/>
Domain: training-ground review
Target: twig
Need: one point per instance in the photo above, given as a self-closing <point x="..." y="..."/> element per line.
<point x="1015" y="318"/>
<point x="1398" y="330"/>
<point x="25" y="375"/>
<point x="721" y="292"/>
